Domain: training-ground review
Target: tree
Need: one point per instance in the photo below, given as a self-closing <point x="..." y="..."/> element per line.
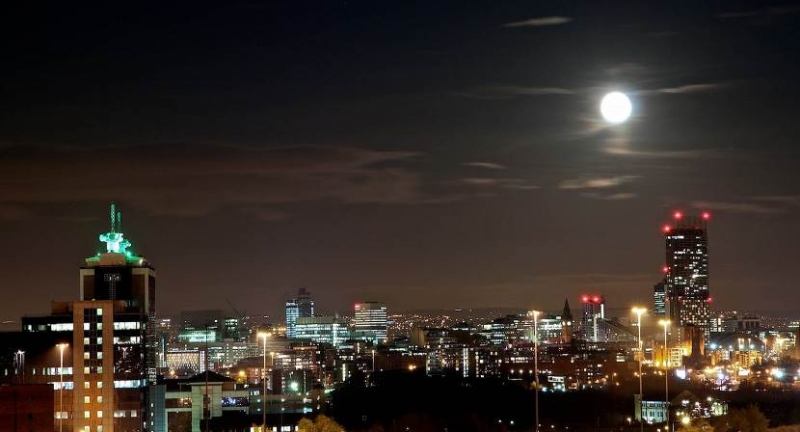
<point x="749" y="419"/>
<point x="320" y="424"/>
<point x="699" y="425"/>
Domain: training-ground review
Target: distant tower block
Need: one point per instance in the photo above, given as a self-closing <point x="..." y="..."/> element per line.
<point x="686" y="271"/>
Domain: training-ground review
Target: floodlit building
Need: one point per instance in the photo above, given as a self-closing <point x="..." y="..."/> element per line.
<point x="371" y="322"/>
<point x="686" y="271"/>
<point x="301" y="306"/>
<point x="330" y="330"/>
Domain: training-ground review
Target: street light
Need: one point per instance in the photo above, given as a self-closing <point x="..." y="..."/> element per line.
<point x="61" y="348"/>
<point x="264" y="382"/>
<point x="536" y="363"/>
<point x="665" y="324"/>
<point x="639" y="311"/>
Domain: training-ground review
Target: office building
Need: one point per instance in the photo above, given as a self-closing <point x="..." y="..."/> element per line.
<point x="594" y="310"/>
<point x="371" y="322"/>
<point x="660" y="299"/>
<point x="329" y="330"/>
<point x="686" y="271"/>
<point x="297" y="307"/>
<point x="111" y="363"/>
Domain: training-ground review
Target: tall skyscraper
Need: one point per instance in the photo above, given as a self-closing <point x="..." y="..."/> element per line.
<point x="112" y="349"/>
<point x="371" y="322"/>
<point x="686" y="270"/>
<point x="660" y="299"/>
<point x="297" y="307"/>
<point x="594" y="309"/>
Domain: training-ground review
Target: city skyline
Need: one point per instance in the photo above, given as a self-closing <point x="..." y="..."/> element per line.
<point x="400" y="152"/>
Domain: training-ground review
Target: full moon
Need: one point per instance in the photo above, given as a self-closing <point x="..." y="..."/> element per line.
<point x="615" y="107"/>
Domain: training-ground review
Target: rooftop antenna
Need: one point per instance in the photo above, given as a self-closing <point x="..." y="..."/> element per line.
<point x="119" y="221"/>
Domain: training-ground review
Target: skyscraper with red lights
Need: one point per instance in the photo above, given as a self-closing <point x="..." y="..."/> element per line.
<point x="686" y="270"/>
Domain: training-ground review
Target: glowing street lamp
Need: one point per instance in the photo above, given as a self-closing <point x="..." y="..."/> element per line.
<point x="639" y="311"/>
<point x="536" y="363"/>
<point x="61" y="348"/>
<point x="665" y="324"/>
<point x="264" y="336"/>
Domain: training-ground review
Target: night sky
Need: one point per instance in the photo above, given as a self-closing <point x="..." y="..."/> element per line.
<point x="427" y="154"/>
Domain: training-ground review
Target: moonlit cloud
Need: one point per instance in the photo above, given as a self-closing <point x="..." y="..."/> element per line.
<point x="487" y="165"/>
<point x="618" y="150"/>
<point x="194" y="180"/>
<point x="612" y="197"/>
<point x="500" y="92"/>
<point x="596" y="182"/>
<point x="539" y="22"/>
<point x="736" y="207"/>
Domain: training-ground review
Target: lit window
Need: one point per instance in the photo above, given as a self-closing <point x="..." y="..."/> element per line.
<point x="86" y="369"/>
<point x="87" y="414"/>
<point x="99" y="414"/>
<point x="86" y="356"/>
<point x="87" y="399"/>
<point x="99" y="312"/>
<point x="99" y="399"/>
<point x="99" y="384"/>
<point x="133" y="413"/>
<point x="86" y="385"/>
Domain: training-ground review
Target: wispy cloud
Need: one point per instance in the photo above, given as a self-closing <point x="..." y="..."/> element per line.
<point x="759" y="13"/>
<point x="675" y="154"/>
<point x="596" y="182"/>
<point x="194" y="180"/>
<point x="510" y="92"/>
<point x="539" y="22"/>
<point x="620" y="196"/>
<point x="487" y="165"/>
<point x="736" y="207"/>
<point x="778" y="199"/>
<point x="692" y="88"/>
<point x="505" y="183"/>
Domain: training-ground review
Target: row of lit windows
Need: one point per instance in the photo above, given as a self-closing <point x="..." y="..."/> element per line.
<point x="69" y="385"/>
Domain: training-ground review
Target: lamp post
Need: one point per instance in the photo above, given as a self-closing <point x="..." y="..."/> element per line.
<point x="536" y="365"/>
<point x="639" y="311"/>
<point x="61" y="348"/>
<point x="264" y="382"/>
<point x="665" y="324"/>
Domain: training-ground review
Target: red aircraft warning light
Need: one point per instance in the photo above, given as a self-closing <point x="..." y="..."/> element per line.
<point x="666" y="229"/>
<point x="665" y="269"/>
<point x="677" y="215"/>
<point x="706" y="215"/>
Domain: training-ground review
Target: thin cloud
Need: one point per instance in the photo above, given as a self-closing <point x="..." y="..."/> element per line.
<point x="194" y="180"/>
<point x="736" y="207"/>
<point x="760" y="13"/>
<point x="505" y="183"/>
<point x="684" y="89"/>
<point x="539" y="22"/>
<point x="779" y="199"/>
<point x="511" y="92"/>
<point x="692" y="88"/>
<point x="596" y="182"/>
<point x="487" y="165"/>
<point x="676" y="154"/>
<point x="620" y="196"/>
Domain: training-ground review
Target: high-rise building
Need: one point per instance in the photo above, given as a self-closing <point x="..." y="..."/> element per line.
<point x="112" y="361"/>
<point x="660" y="299"/>
<point x="686" y="270"/>
<point x="371" y="322"/>
<point x="300" y="306"/>
<point x="594" y="310"/>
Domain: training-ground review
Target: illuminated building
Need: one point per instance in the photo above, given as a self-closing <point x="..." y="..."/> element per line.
<point x="300" y="306"/>
<point x="660" y="299"/>
<point x="594" y="310"/>
<point x="686" y="271"/>
<point x="111" y="329"/>
<point x="328" y="330"/>
<point x="566" y="323"/>
<point x="371" y="322"/>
